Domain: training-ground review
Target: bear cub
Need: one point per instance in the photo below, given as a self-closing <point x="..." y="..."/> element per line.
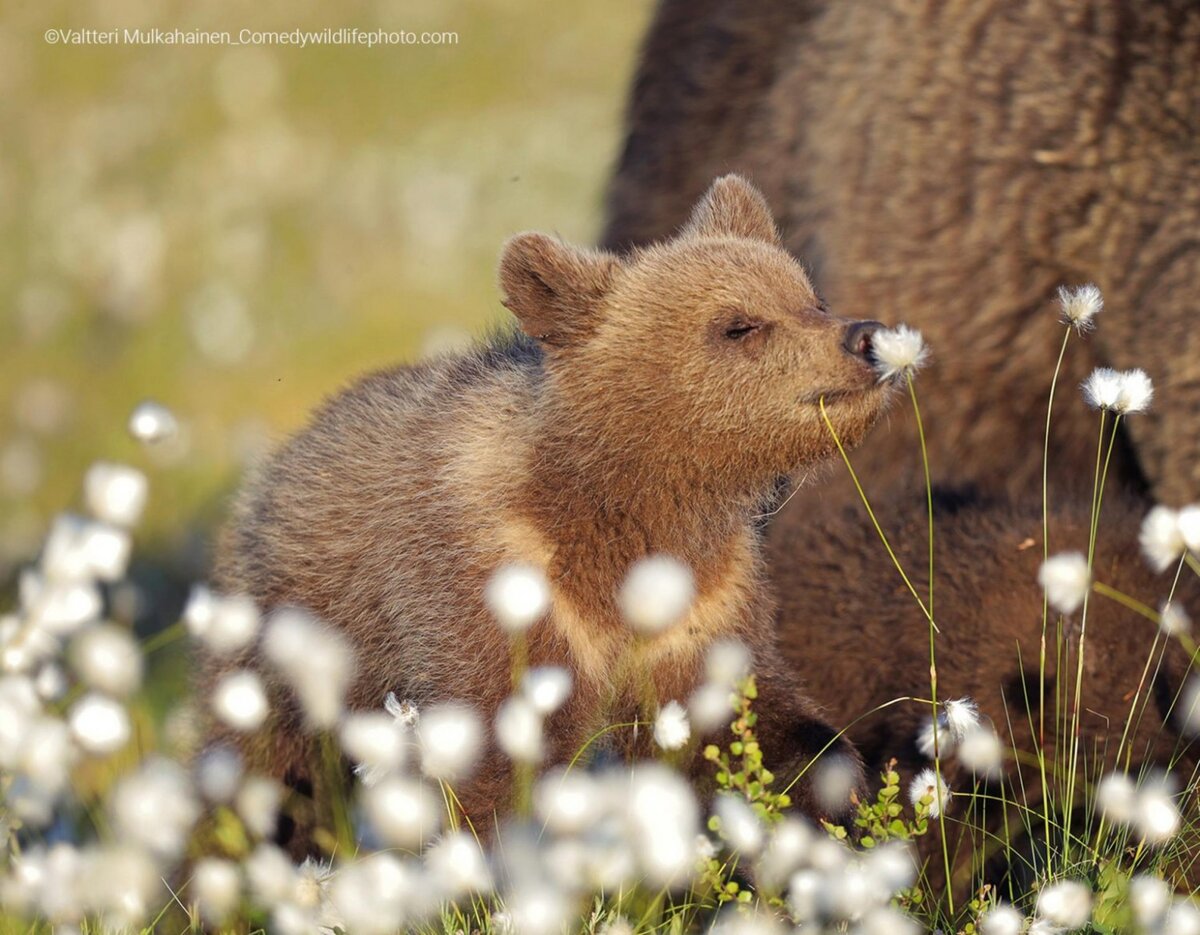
<point x="647" y="407"/>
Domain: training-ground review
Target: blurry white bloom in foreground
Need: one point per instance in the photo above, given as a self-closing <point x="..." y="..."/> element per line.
<point x="519" y="730"/>
<point x="403" y="812"/>
<point x="899" y="350"/>
<point x="657" y="592"/>
<point x="222" y="624"/>
<point x="107" y="658"/>
<point x="962" y="715"/>
<point x="1183" y="918"/>
<point x="56" y="607"/>
<point x="317" y="662"/>
<point x="954" y="721"/>
<point x="115" y="493"/>
<point x="218" y="774"/>
<point x="928" y="785"/>
<point x="1189" y="526"/>
<point x="1116" y="797"/>
<point x="257" y="804"/>
<point x="1102" y="388"/>
<point x="711" y="707"/>
<point x="1173" y="619"/>
<point x="78" y="549"/>
<point x="727" y="663"/>
<point x="566" y="800"/>
<point x="155" y="807"/>
<point x="1080" y="305"/>
<point x="374" y="742"/>
<point x="517" y="596"/>
<point x="788" y="848"/>
<point x="450" y="736"/>
<point x="458" y="865"/>
<point x="240" y="700"/>
<point x="834" y="777"/>
<point x="1150" y="899"/>
<point x="216" y="888"/>
<point x="372" y="894"/>
<point x="123" y="885"/>
<point x="739" y="826"/>
<point x="538" y="910"/>
<point x="1067" y="903"/>
<point x="1156" y="815"/>
<point x="547" y="687"/>
<point x="671" y="728"/>
<point x="1002" y="920"/>
<point x="271" y="875"/>
<point x="1066" y="579"/>
<point x="1136" y="394"/>
<point x="100" y="724"/>
<point x="662" y="823"/>
<point x="1161" y="539"/>
<point x="981" y="752"/>
<point x="1189" y="706"/>
<point x="51" y="682"/>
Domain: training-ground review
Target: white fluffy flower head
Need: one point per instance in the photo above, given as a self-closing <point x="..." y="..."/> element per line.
<point x="517" y="596"/>
<point x="240" y="701"/>
<point x="115" y="493"/>
<point x="1066" y="579"/>
<point x="450" y="737"/>
<point x="1080" y="305"/>
<point x="1136" y="393"/>
<point x="1161" y="538"/>
<point x="547" y="687"/>
<point x="657" y="593"/>
<point x="1123" y="392"/>
<point x="1067" y="903"/>
<point x="898" y="351"/>
<point x="152" y="422"/>
<point x="927" y="784"/>
<point x="671" y="728"/>
<point x="1102" y="388"/>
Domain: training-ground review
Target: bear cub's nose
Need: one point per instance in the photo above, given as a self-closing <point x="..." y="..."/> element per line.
<point x="859" y="339"/>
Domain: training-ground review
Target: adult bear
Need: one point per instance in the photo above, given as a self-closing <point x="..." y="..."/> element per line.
<point x="950" y="164"/>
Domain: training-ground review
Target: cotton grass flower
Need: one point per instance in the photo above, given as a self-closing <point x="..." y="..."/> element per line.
<point x="84" y="550"/>
<point x="518" y="596"/>
<point x="216" y="889"/>
<point x="100" y="724"/>
<point x="374" y="742"/>
<point x="567" y="801"/>
<point x="316" y="661"/>
<point x="1189" y="707"/>
<point x="1067" y="903"/>
<point x="257" y="804"/>
<point x="403" y="812"/>
<point x="1161" y="539"/>
<point x="219" y="774"/>
<point x="155" y="808"/>
<point x="833" y="781"/>
<point x="1001" y="920"/>
<point x="1066" y="580"/>
<point x="1102" y="388"/>
<point x="1156" y="815"/>
<point x="546" y="687"/>
<point x="450" y="736"/>
<point x="1116" y="797"/>
<point x="1080" y="305"/>
<point x="1173" y="619"/>
<point x="372" y="894"/>
<point x="1189" y="526"/>
<point x="710" y="707"/>
<point x="656" y="594"/>
<point x="240" y="701"/>
<point x="107" y="658"/>
<point x="458" y="865"/>
<point x="787" y="850"/>
<point x="727" y="663"/>
<point x="662" y="821"/>
<point x="671" y="728"/>
<point x="981" y="751"/>
<point x="739" y="826"/>
<point x="928" y="786"/>
<point x="1136" y="394"/>
<point x="152" y="422"/>
<point x="898" y="351"/>
<point x="115" y="493"/>
<point x="223" y="624"/>
<point x="518" y="728"/>
<point x="1150" y="900"/>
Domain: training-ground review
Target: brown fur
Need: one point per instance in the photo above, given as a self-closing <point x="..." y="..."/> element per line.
<point x="849" y="624"/>
<point x="948" y="165"/>
<point x="632" y="425"/>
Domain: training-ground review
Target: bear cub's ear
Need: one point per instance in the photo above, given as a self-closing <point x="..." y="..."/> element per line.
<point x="553" y="288"/>
<point x="733" y="207"/>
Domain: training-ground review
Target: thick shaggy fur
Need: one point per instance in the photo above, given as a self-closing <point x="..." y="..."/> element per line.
<point x="627" y="423"/>
<point x="949" y="165"/>
<point x="849" y="624"/>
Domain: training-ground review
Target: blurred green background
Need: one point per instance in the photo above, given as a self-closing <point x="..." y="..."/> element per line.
<point x="238" y="231"/>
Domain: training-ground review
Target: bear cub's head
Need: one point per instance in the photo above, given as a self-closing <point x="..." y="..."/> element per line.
<point x="710" y="349"/>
